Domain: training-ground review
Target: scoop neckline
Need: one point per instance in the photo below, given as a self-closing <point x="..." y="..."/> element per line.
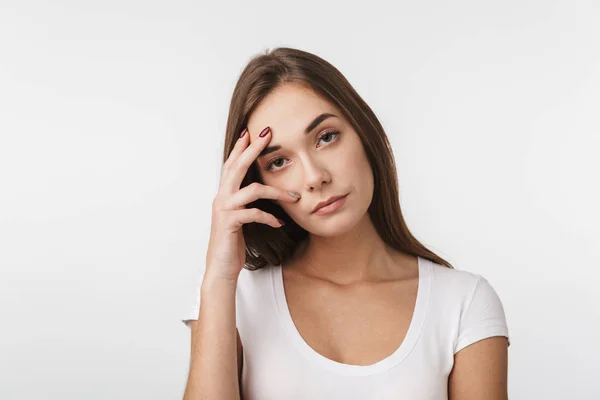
<point x="410" y="339"/>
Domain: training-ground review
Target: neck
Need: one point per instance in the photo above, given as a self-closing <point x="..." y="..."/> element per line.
<point x="358" y="255"/>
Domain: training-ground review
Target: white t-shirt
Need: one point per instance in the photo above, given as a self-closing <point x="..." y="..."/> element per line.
<point x="453" y="309"/>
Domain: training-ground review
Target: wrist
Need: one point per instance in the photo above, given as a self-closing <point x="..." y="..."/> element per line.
<point x="213" y="281"/>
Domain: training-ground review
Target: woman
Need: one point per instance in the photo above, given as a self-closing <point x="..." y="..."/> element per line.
<point x="340" y="301"/>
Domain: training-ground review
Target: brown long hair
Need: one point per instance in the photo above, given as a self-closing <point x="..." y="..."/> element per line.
<point x="264" y="73"/>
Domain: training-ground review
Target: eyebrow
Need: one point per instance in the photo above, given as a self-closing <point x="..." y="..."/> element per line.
<point x="308" y="129"/>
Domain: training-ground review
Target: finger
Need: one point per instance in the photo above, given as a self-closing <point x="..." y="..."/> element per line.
<point x="240" y="145"/>
<point x="256" y="191"/>
<point x="249" y="155"/>
<point x="249" y="215"/>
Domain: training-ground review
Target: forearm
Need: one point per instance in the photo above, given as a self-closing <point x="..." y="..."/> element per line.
<point x="213" y="359"/>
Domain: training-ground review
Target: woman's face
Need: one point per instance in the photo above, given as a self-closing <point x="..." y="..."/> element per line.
<point x="327" y="161"/>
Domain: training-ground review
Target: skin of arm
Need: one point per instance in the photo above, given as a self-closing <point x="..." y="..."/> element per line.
<point x="214" y="346"/>
<point x="480" y="371"/>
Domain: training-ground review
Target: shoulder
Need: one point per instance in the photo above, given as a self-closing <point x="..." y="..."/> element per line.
<point x="453" y="284"/>
<point x="254" y="276"/>
<point x="255" y="284"/>
<point x="452" y="275"/>
<point x="457" y="284"/>
<point x="468" y="302"/>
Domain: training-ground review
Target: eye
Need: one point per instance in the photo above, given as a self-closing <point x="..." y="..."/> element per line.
<point x="334" y="133"/>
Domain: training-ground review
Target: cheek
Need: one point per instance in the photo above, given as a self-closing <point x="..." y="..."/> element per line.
<point x="353" y="162"/>
<point x="291" y="211"/>
<point x="356" y="169"/>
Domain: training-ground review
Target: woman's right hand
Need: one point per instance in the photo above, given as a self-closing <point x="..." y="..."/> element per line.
<point x="226" y="254"/>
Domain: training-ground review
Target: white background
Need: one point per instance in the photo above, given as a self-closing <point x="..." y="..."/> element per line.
<point x="112" y="117"/>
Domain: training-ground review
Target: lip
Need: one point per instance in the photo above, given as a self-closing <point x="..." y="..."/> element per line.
<point x="328" y="201"/>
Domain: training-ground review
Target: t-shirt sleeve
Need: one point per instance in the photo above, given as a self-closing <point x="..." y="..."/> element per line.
<point x="483" y="317"/>
<point x="194" y="308"/>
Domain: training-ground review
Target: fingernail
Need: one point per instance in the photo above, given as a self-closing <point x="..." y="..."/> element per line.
<point x="294" y="194"/>
<point x="244" y="132"/>
<point x="264" y="132"/>
<point x="281" y="221"/>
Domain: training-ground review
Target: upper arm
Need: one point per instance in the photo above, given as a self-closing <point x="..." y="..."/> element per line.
<point x="481" y="347"/>
<point x="480" y="371"/>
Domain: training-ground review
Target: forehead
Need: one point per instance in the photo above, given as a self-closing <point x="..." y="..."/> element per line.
<point x="288" y="109"/>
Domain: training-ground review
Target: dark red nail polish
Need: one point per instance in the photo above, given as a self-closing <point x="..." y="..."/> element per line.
<point x="244" y="132"/>
<point x="265" y="131"/>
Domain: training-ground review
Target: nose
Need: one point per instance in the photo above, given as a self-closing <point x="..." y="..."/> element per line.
<point x="315" y="174"/>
